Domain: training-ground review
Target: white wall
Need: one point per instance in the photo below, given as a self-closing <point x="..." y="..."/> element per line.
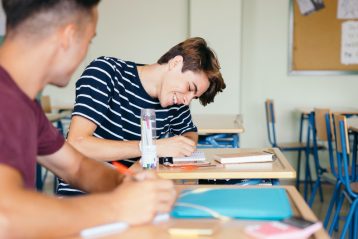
<point x="135" y="30"/>
<point x="219" y="22"/>
<point x="251" y="40"/>
<point x="264" y="75"/>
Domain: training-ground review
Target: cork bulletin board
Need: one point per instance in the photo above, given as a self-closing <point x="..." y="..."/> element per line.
<point x="315" y="42"/>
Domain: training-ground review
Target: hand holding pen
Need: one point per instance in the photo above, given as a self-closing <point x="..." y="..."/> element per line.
<point x="139" y="176"/>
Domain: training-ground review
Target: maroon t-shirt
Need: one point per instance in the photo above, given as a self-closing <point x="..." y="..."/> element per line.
<point x="25" y="131"/>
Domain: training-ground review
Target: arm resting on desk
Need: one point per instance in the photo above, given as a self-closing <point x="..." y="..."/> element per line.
<point x="81" y="137"/>
<point x="192" y="135"/>
<point x="74" y="168"/>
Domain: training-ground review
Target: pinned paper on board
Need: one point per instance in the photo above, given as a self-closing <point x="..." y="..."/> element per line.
<point x="349" y="44"/>
<point x="347" y="9"/>
<point x="2" y="23"/>
<point x="308" y="6"/>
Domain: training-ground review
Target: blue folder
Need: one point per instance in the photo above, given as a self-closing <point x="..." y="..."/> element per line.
<point x="237" y="203"/>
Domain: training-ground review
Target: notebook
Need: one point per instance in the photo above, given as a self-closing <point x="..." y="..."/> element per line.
<point x="196" y="156"/>
<point x="249" y="166"/>
<point x="228" y="203"/>
<point x="244" y="157"/>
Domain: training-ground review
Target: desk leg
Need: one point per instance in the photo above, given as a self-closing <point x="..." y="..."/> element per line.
<point x="299" y="152"/>
<point x="236" y="141"/>
<point x="39" y="183"/>
<point x="354" y="157"/>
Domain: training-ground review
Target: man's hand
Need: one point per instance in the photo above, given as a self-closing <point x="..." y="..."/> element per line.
<point x="137" y="202"/>
<point x="177" y="146"/>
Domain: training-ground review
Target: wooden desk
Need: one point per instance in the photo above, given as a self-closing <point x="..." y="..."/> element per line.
<point x="54" y="117"/>
<point x="218" y="130"/>
<point x="67" y="107"/>
<point x="280" y="168"/>
<point x="225" y="230"/>
<point x="218" y="123"/>
<point x="334" y="110"/>
<point x="353" y="124"/>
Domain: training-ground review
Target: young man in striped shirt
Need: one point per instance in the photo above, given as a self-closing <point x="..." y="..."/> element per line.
<point x="111" y="93"/>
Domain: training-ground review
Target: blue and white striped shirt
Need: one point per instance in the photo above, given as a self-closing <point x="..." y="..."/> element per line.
<point x="110" y="94"/>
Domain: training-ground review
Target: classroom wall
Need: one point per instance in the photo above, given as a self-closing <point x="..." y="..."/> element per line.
<point x="251" y="40"/>
<point x="264" y="75"/>
<point x="135" y="30"/>
<point x="142" y="31"/>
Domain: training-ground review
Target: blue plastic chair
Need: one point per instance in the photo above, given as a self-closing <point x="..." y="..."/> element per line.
<point x="347" y="186"/>
<point x="321" y="123"/>
<point x="293" y="146"/>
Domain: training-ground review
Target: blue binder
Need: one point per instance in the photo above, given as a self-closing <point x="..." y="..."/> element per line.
<point x="233" y="203"/>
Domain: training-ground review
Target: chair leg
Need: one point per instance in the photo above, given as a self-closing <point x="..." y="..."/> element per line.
<point x="316" y="185"/>
<point x="336" y="215"/>
<point x="298" y="170"/>
<point x="308" y="178"/>
<point x="349" y="218"/>
<point x="319" y="175"/>
<point x="332" y="203"/>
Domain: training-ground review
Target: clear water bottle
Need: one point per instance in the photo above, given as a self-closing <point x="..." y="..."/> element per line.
<point x="148" y="135"/>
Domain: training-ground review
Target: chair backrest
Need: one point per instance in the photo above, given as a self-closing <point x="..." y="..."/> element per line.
<point x="46" y="103"/>
<point x="342" y="143"/>
<point x="270" y="122"/>
<point x="324" y="132"/>
<point x="342" y="147"/>
<point x="320" y="122"/>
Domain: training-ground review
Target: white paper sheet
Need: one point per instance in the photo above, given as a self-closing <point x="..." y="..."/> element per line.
<point x="305" y="6"/>
<point x="349" y="44"/>
<point x="2" y="21"/>
<point x="347" y="9"/>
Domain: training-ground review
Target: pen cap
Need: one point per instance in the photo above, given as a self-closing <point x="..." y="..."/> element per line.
<point x="148" y="126"/>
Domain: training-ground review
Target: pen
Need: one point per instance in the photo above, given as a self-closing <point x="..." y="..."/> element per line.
<point x="121" y="168"/>
<point x="273" y="154"/>
<point x="103" y="230"/>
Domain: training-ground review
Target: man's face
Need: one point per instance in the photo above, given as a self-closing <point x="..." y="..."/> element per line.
<point x="181" y="87"/>
<point x="77" y="49"/>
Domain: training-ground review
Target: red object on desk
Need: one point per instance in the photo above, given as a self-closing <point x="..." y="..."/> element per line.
<point x="122" y="169"/>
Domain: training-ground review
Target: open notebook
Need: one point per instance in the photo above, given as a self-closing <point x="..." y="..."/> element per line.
<point x="197" y="156"/>
<point x="228" y="203"/>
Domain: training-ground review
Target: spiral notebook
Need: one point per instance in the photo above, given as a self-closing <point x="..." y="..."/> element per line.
<point x="233" y="203"/>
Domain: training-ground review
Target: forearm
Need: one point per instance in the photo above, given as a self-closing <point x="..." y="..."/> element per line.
<point x="104" y="149"/>
<point x="51" y="217"/>
<point x="80" y="171"/>
<point x="192" y="135"/>
<point x="93" y="177"/>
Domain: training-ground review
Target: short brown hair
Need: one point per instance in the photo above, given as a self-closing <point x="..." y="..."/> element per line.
<point x="44" y="13"/>
<point x="197" y="56"/>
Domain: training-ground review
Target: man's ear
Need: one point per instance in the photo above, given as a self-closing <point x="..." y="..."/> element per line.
<point x="175" y="62"/>
<point x="67" y="35"/>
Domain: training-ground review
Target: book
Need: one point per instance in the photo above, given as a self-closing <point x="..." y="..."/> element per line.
<point x="282" y="230"/>
<point x="248" y="166"/>
<point x="190" y="163"/>
<point x="181" y="228"/>
<point x="244" y="157"/>
<point x="228" y="203"/>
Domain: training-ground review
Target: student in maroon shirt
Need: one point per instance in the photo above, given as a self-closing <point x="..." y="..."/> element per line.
<point x="45" y="41"/>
